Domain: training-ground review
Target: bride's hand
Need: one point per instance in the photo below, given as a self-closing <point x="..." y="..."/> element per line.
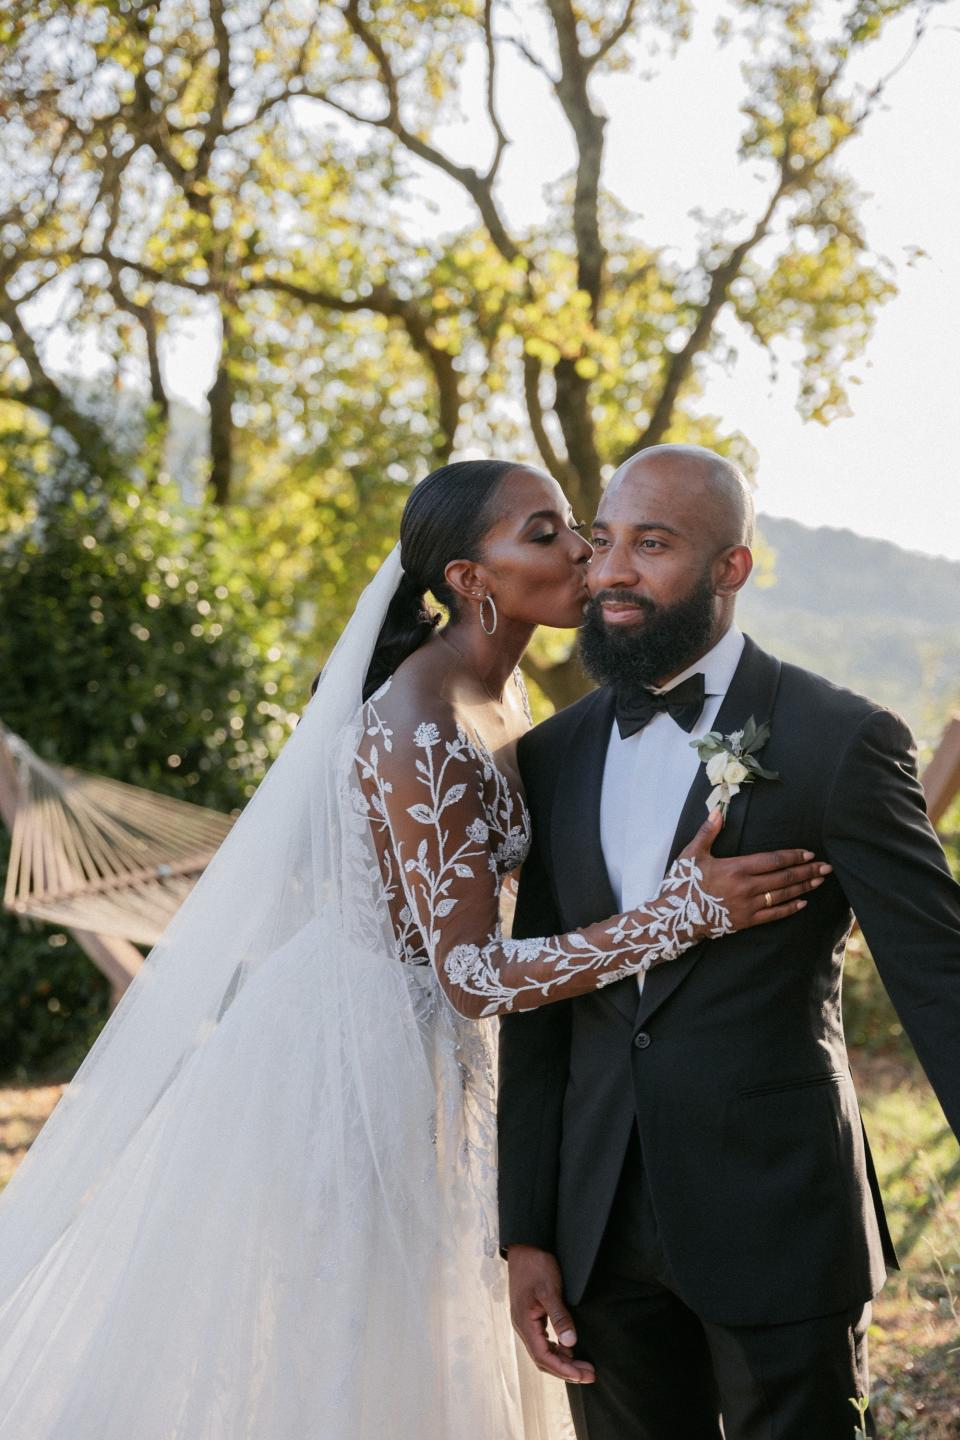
<point x="754" y="889"/>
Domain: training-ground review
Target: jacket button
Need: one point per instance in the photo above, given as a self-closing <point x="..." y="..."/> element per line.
<point x="641" y="1040"/>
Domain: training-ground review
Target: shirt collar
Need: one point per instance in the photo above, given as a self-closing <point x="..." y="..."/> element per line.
<point x="717" y="666"/>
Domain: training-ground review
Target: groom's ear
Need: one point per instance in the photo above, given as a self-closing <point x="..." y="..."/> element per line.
<point x="466" y="579"/>
<point x="732" y="569"/>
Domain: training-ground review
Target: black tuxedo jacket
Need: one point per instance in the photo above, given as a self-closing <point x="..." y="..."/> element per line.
<point x="732" y="1064"/>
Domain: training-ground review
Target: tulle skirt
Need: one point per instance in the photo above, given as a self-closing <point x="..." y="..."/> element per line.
<point x="298" y="1242"/>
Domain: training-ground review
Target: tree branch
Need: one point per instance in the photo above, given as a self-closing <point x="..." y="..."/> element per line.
<point x="559" y="467"/>
<point x="492" y="114"/>
<point x="382" y="301"/>
<point x="791" y="178"/>
<point x="614" y="37"/>
<point x="222" y="95"/>
<point x="478" y="187"/>
<point x="116" y="263"/>
<point x="147" y="321"/>
<point x="681" y="362"/>
<point x="44" y="394"/>
<point x="588" y="127"/>
<point x="292" y="88"/>
<point x="573" y="390"/>
<point x="529" y="56"/>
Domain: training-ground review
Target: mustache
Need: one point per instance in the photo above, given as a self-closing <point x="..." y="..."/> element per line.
<point x="620" y="597"/>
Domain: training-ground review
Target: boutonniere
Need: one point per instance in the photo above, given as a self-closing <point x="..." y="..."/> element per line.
<point x="731" y="761"/>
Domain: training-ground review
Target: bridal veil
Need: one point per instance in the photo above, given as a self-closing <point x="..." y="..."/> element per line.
<point x="265" y="1207"/>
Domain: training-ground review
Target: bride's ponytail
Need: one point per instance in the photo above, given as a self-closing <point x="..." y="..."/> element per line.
<point x="445" y="518"/>
<point x="406" y="625"/>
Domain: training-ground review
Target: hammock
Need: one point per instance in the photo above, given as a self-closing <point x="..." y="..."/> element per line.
<point x="98" y="855"/>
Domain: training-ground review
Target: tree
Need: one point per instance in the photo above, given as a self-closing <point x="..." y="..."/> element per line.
<point x="260" y="161"/>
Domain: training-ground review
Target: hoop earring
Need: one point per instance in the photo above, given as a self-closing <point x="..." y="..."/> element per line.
<point x="493" y="607"/>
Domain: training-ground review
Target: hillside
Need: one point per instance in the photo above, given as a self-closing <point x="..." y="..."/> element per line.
<point x="864" y="613"/>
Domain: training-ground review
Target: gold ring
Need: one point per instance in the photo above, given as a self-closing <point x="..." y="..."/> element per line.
<point x="768" y="898"/>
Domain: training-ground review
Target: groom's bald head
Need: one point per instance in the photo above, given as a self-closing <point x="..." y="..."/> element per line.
<point x="709" y="489"/>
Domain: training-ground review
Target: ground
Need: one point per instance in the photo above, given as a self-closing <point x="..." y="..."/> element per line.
<point x="915" y="1337"/>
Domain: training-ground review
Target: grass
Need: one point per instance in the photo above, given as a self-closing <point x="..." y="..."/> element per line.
<point x="915" y="1336"/>
<point x="23" y="1109"/>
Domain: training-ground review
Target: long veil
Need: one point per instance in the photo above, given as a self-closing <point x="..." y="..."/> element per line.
<point x="264" y="1208"/>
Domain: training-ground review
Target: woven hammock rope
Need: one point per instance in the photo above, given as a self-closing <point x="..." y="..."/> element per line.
<point x="99" y="855"/>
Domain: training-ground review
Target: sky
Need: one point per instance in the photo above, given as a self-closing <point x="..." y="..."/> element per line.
<point x="890" y="470"/>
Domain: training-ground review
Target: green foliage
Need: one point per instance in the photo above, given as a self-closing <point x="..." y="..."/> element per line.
<point x="53" y="1002"/>
<point x="135" y="638"/>
<point x="136" y="641"/>
<point x="869" y="1019"/>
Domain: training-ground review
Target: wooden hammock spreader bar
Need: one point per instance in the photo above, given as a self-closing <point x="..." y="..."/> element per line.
<point x="191" y="865"/>
<point x="941" y="779"/>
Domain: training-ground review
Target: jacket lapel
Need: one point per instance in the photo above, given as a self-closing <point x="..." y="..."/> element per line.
<point x="583" y="885"/>
<point x="752" y="691"/>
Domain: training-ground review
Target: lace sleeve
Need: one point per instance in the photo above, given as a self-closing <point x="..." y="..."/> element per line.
<point x="448" y="826"/>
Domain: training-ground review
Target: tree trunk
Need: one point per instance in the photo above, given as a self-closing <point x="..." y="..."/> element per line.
<point x="220" y="400"/>
<point x="562" y="683"/>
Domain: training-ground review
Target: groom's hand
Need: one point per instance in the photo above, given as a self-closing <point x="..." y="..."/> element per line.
<point x="536" y="1296"/>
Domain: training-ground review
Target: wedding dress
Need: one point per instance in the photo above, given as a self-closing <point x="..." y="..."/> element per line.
<point x="265" y="1207"/>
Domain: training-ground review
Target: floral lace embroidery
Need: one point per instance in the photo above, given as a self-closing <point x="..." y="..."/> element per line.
<point x="448" y="827"/>
<point x="649" y="937"/>
<point x="496" y="838"/>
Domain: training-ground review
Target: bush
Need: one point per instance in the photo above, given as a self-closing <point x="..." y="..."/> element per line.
<point x="869" y="1019"/>
<point x="136" y="641"/>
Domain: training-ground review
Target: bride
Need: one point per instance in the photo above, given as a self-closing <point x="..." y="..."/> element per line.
<point x="264" y="1208"/>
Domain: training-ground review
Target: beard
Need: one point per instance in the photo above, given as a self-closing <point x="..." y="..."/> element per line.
<point x="669" y="639"/>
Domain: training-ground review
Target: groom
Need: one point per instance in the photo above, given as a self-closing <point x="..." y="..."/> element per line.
<point x="686" y="1190"/>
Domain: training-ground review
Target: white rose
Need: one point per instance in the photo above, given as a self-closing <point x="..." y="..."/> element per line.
<point x="725" y="769"/>
<point x="716" y="766"/>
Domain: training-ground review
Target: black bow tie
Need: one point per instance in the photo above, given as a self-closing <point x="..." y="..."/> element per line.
<point x="684" y="702"/>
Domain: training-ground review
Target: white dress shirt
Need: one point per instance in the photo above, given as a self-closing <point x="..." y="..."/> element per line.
<point x="646" y="778"/>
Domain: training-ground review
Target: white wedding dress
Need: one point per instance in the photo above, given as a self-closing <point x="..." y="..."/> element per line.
<point x="265" y="1207"/>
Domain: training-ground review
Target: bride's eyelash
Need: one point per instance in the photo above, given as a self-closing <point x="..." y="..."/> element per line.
<point x="578" y="527"/>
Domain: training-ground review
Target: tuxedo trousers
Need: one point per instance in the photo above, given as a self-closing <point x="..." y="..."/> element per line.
<point x="665" y="1373"/>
